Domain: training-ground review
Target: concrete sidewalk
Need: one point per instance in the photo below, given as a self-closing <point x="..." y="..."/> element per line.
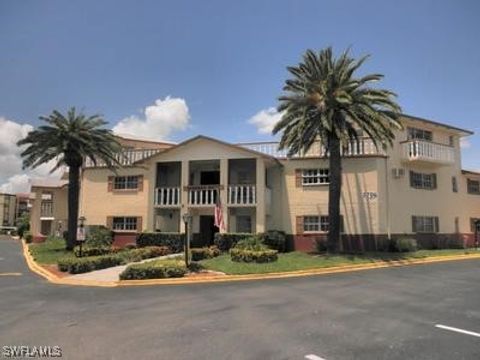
<point x="112" y="273"/>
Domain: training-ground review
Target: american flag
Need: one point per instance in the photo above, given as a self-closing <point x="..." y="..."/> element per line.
<point x="219" y="222"/>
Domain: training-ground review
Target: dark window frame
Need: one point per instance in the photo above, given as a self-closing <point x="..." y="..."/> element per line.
<point x="425" y="224"/>
<point x="476" y="183"/>
<point x="124" y="223"/>
<point x="127" y="182"/>
<point x="423" y="181"/>
<point x="316" y="176"/>
<point x="414" y="133"/>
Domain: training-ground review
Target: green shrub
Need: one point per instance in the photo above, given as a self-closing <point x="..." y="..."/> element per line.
<point x="130" y="246"/>
<point x="276" y="240"/>
<point x="204" y="253"/>
<point x="91" y="251"/>
<point x="320" y="245"/>
<point x="195" y="266"/>
<point x="225" y="241"/>
<point x="27" y="235"/>
<point x="154" y="270"/>
<point x="86" y="264"/>
<point x="248" y="256"/>
<point x="403" y="245"/>
<point x="172" y="240"/>
<point x="252" y="243"/>
<point x="140" y="254"/>
<point x="23" y="224"/>
<point x="98" y="236"/>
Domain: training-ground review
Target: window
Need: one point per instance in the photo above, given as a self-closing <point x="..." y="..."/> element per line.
<point x="419" y="134"/>
<point x="125" y="183"/>
<point x="124" y="223"/>
<point x="451" y="141"/>
<point x="423" y="181"/>
<point x="315" y="177"/>
<point x="454" y="184"/>
<point x="473" y="187"/>
<point x="474" y="224"/>
<point x="244" y="223"/>
<point x="425" y="224"/>
<point x="318" y="223"/>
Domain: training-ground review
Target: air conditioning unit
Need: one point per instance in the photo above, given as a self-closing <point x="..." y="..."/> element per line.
<point x="398" y="173"/>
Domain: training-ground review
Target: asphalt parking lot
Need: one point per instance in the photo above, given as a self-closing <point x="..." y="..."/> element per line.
<point x="417" y="312"/>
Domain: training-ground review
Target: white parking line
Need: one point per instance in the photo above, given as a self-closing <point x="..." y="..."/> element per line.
<point x="313" y="357"/>
<point x="461" y="331"/>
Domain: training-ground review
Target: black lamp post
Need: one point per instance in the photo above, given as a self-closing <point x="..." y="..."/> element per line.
<point x="81" y="232"/>
<point x="187" y="219"/>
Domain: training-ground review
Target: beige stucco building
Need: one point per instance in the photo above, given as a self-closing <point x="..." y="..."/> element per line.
<point x="416" y="188"/>
<point x="7" y="210"/>
<point x="48" y="211"/>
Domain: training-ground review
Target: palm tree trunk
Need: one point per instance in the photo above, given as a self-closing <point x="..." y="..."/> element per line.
<point x="334" y="191"/>
<point x="73" y="194"/>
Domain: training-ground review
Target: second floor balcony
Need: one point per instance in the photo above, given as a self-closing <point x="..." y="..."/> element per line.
<point x="427" y="151"/>
<point x="360" y="147"/>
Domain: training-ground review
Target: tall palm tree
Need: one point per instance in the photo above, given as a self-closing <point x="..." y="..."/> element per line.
<point x="324" y="100"/>
<point x="68" y="140"/>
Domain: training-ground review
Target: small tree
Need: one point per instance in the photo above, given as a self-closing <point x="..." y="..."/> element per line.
<point x="70" y="139"/>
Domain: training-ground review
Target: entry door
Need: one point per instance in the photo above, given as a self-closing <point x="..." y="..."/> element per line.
<point x="210" y="178"/>
<point x="46" y="227"/>
<point x="207" y="229"/>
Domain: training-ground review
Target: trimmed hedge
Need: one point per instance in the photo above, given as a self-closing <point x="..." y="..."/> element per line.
<point x="225" y="241"/>
<point x="148" y="252"/>
<point x="91" y="251"/>
<point x="275" y="239"/>
<point x="172" y="240"/>
<point x="204" y="253"/>
<point x="403" y="245"/>
<point x="86" y="264"/>
<point x="27" y="235"/>
<point x="248" y="256"/>
<point x="154" y="270"/>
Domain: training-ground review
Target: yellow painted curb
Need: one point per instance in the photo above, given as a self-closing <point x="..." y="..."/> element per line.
<point x="53" y="278"/>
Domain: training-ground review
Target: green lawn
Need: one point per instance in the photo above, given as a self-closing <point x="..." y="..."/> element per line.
<point x="300" y="261"/>
<point x="49" y="251"/>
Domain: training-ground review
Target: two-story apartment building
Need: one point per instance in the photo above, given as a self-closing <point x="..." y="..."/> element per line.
<point x="48" y="211"/>
<point x="7" y="210"/>
<point x="416" y="188"/>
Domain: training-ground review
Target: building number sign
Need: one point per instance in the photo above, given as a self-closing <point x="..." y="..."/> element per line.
<point x="369" y="195"/>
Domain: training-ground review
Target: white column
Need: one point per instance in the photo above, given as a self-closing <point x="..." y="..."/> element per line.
<point x="260" y="188"/>
<point x="223" y="192"/>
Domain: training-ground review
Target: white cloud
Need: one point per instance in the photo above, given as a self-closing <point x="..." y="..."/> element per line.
<point x="265" y="120"/>
<point x="465" y="143"/>
<point x="159" y="120"/>
<point x="12" y="177"/>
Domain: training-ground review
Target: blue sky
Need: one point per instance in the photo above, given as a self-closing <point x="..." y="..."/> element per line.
<point x="225" y="61"/>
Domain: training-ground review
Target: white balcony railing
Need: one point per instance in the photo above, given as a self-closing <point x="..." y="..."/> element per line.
<point x="360" y="147"/>
<point x="126" y="157"/>
<point x="203" y="195"/>
<point x="242" y="195"/>
<point x="419" y="150"/>
<point x="167" y="196"/>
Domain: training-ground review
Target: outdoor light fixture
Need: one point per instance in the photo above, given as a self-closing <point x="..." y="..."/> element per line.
<point x="81" y="232"/>
<point x="187" y="219"/>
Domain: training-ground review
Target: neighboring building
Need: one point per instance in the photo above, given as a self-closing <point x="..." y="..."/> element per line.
<point x="416" y="188"/>
<point x="48" y="214"/>
<point x="7" y="210"/>
<point x="23" y="204"/>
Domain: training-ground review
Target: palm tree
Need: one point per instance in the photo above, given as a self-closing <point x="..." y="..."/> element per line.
<point x="68" y="140"/>
<point x="325" y="101"/>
